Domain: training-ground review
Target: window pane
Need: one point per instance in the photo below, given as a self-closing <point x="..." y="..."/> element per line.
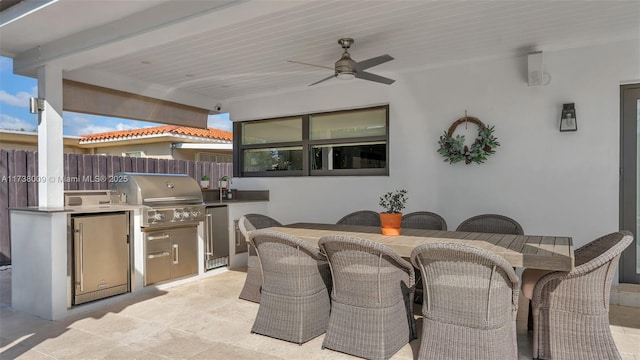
<point x="349" y="156"/>
<point x="272" y="131"/>
<point x="273" y="159"/>
<point x="348" y="124"/>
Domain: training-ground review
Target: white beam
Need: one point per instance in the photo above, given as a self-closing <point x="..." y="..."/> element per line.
<point x="135" y="86"/>
<point x="167" y="22"/>
<point x="50" y="140"/>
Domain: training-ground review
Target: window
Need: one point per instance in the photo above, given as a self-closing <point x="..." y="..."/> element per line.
<point x="213" y="157"/>
<point x="352" y="142"/>
<point x="136" y="154"/>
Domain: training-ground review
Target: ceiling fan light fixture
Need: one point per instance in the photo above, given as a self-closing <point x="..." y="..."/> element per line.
<point x="346" y="76"/>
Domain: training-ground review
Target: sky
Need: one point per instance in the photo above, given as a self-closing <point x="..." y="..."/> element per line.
<point x="15" y="91"/>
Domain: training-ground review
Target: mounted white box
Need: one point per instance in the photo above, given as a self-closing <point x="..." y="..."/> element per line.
<point x="535" y="69"/>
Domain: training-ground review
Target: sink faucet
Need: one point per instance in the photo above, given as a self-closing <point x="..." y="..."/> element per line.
<point x="229" y="182"/>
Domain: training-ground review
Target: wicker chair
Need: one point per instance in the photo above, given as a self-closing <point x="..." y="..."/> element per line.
<point x="372" y="298"/>
<point x="363" y="217"/>
<point x="295" y="302"/>
<point x="249" y="222"/>
<point x="571" y="310"/>
<point x="471" y="303"/>
<point x="423" y="220"/>
<point x="491" y="223"/>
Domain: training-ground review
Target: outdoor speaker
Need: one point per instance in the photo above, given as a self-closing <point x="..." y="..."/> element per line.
<point x="535" y="69"/>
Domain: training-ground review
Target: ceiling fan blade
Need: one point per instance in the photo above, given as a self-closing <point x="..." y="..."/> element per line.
<point x="373" y="77"/>
<point x="320" y="66"/>
<point x="365" y="64"/>
<point x="325" y="79"/>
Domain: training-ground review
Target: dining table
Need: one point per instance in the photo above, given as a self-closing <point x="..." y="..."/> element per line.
<point x="545" y="252"/>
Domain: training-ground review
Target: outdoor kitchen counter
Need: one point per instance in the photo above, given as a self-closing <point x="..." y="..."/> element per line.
<point x="40" y="235"/>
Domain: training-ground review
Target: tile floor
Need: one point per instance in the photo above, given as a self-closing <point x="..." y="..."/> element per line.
<point x="203" y="319"/>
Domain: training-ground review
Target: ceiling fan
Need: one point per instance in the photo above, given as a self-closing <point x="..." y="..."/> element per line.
<point x="347" y="68"/>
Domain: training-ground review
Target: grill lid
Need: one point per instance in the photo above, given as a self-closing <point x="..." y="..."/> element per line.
<point x="156" y="189"/>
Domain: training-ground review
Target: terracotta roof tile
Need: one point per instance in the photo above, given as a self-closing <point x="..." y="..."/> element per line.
<point x="210" y="133"/>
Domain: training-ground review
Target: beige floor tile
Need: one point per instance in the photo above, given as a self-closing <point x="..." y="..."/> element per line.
<point x="22" y="352"/>
<point x="627" y="343"/>
<point x="15" y="325"/>
<point x="126" y="352"/>
<point x="174" y="344"/>
<point x="76" y="345"/>
<point x="226" y="351"/>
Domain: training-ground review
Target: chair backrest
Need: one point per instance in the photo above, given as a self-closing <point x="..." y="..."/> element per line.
<point x="290" y="266"/>
<point x="250" y="222"/>
<point x="423" y="220"/>
<point x="491" y="223"/>
<point x="588" y="285"/>
<point x="363" y="217"/>
<point x="603" y="249"/>
<point x="365" y="273"/>
<point x="466" y="286"/>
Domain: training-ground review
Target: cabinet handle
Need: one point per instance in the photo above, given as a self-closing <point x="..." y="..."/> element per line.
<point x="157" y="255"/>
<point x="209" y="236"/>
<point x="79" y="256"/>
<point x="165" y="236"/>
<point x="176" y="256"/>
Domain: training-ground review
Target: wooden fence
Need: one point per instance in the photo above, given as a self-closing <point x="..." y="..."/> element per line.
<point x="19" y="179"/>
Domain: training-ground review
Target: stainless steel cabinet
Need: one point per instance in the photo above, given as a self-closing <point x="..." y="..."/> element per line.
<point x="216" y="252"/>
<point x="170" y="254"/>
<point x="100" y="256"/>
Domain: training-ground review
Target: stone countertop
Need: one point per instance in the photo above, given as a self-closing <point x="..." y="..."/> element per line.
<point x="79" y="209"/>
<point x="230" y="202"/>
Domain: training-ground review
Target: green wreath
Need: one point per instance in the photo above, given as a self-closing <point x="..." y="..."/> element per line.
<point x="454" y="150"/>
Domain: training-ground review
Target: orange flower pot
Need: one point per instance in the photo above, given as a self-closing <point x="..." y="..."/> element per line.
<point x="390" y="223"/>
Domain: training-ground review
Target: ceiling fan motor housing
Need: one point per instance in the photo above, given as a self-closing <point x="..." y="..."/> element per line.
<point x="345" y="66"/>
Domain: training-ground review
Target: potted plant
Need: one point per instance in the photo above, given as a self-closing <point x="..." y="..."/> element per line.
<point x="393" y="202"/>
<point x="204" y="182"/>
<point x="222" y="182"/>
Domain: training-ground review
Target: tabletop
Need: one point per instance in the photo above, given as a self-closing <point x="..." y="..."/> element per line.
<point x="525" y="251"/>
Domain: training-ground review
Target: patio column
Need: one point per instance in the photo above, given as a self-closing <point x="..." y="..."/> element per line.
<point x="50" y="142"/>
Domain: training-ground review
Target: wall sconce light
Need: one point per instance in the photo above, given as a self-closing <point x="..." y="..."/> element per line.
<point x="568" y="120"/>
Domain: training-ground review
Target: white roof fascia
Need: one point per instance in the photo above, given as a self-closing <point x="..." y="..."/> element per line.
<point x="203" y="146"/>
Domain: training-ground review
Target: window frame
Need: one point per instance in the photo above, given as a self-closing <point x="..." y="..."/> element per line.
<point x="307" y="145"/>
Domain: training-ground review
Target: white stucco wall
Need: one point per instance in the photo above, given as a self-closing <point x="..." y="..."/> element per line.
<point x="553" y="183"/>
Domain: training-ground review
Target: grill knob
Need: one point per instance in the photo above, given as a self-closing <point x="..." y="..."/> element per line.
<point x="186" y="214"/>
<point x="158" y="216"/>
<point x="177" y="214"/>
<point x="195" y="213"/>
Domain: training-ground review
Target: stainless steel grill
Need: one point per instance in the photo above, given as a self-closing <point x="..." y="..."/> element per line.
<point x="166" y="199"/>
<point x="172" y="209"/>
